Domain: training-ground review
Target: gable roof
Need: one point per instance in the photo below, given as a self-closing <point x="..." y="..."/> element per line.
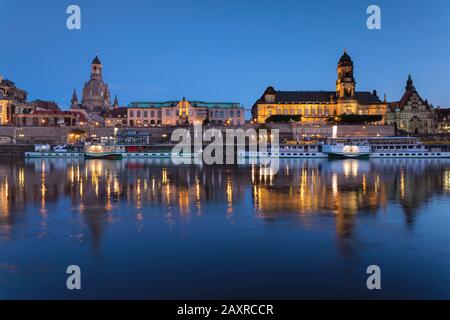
<point x="410" y="90"/>
<point x="46" y="105"/>
<point x="116" y="113"/>
<point x="405" y="99"/>
<point x="174" y="103"/>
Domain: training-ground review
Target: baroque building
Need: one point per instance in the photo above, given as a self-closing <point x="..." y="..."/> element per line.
<point x="96" y="95"/>
<point x="184" y="112"/>
<point x="412" y="114"/>
<point x="8" y="90"/>
<point x="117" y="117"/>
<point x="318" y="106"/>
<point x="11" y="98"/>
<point x="443" y="120"/>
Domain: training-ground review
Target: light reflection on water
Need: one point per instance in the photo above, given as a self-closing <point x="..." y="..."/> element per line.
<point x="314" y="224"/>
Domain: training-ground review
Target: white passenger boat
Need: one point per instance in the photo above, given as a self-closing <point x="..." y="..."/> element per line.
<point x="365" y="147"/>
<point x="102" y="151"/>
<point x="156" y="154"/>
<point x="286" y="151"/>
<point x="399" y="147"/>
<point x="59" y="151"/>
<point x="351" y="149"/>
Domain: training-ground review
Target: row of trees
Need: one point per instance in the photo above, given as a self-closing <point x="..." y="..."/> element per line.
<point x="345" y="118"/>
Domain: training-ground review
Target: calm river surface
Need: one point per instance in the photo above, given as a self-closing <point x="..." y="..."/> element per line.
<point x="150" y="229"/>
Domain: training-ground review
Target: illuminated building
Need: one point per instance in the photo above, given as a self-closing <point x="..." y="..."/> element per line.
<point x="141" y="114"/>
<point x="8" y="90"/>
<point x="443" y="120"/>
<point x="51" y="118"/>
<point x="96" y="96"/>
<point x="4" y="111"/>
<point x="412" y="114"/>
<point x="117" y="117"/>
<point x="11" y="98"/>
<point x="320" y="106"/>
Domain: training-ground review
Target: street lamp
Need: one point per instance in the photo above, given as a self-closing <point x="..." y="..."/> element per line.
<point x="115" y="134"/>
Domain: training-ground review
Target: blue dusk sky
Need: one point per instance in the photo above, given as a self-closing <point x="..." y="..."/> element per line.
<point x="227" y="50"/>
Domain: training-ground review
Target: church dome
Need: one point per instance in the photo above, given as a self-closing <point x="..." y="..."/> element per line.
<point x="96" y="96"/>
<point x="345" y="59"/>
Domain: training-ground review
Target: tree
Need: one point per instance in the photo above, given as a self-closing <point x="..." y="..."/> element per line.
<point x="357" y="118"/>
<point x="279" y="118"/>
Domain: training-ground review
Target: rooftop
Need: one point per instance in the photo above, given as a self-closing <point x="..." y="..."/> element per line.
<point x="363" y="97"/>
<point x="174" y="103"/>
<point x="116" y="113"/>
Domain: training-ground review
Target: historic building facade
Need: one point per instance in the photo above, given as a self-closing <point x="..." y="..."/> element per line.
<point x="117" y="117"/>
<point x="412" y="114"/>
<point x="443" y="120"/>
<point x="8" y="90"/>
<point x="184" y="112"/>
<point x="11" y="98"/>
<point x="49" y="118"/>
<point x="96" y="95"/>
<point x="14" y="107"/>
<point x="4" y="111"/>
<point x="318" y="106"/>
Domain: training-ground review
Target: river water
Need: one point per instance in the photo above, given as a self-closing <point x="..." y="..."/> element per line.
<point x="150" y="229"/>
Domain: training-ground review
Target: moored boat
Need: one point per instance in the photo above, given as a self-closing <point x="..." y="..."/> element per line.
<point x="59" y="151"/>
<point x="361" y="147"/>
<point x="337" y="149"/>
<point x="101" y="151"/>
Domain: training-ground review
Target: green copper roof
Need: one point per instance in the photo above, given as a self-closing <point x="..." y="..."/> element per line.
<point x="200" y="104"/>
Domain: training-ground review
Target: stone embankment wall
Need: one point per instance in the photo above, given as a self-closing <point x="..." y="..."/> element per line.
<point x="17" y="140"/>
<point x="14" y="150"/>
<point x="51" y="135"/>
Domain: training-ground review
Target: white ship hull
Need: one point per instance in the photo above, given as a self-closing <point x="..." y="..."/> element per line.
<point x="420" y="155"/>
<point x="282" y="154"/>
<point x="59" y="155"/>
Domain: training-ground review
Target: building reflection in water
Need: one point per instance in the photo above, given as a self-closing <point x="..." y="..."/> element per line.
<point x="148" y="188"/>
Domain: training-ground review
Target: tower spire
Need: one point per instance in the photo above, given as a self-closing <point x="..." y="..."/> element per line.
<point x="74" y="100"/>
<point x="116" y="102"/>
<point x="409" y="83"/>
<point x="96" y="68"/>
